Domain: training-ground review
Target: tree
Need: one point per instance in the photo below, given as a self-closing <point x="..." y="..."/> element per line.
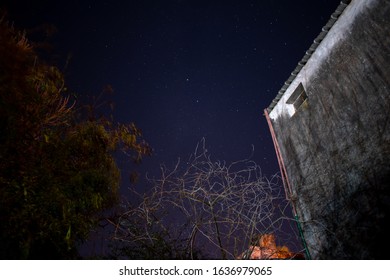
<point x="57" y="170"/>
<point x="204" y="206"/>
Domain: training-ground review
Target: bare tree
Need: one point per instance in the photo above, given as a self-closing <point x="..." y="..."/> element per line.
<point x="205" y="206"/>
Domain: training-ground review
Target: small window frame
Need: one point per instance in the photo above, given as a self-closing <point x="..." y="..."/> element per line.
<point x="298" y="97"/>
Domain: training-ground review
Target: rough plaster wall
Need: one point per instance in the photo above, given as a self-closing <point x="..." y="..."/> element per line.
<point x="337" y="145"/>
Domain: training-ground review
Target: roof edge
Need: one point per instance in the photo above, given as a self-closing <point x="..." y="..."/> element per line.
<point x="333" y="18"/>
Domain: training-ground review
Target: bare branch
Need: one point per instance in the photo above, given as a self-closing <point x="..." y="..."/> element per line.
<point x="211" y="205"/>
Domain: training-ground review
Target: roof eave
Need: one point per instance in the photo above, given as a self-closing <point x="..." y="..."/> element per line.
<point x="333" y="18"/>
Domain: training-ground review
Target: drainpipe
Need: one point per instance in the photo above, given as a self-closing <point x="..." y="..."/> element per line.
<point x="286" y="182"/>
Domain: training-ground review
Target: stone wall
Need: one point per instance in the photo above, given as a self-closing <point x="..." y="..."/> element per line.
<point x="336" y="146"/>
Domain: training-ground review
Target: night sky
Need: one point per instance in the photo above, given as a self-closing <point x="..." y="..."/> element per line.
<point x="182" y="70"/>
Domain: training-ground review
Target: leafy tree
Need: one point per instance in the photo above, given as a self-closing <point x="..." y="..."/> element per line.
<point x="57" y="170"/>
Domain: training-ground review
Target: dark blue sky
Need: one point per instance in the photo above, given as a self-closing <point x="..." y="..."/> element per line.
<point x="183" y="70"/>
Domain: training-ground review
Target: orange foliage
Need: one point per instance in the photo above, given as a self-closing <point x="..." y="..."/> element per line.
<point x="267" y="249"/>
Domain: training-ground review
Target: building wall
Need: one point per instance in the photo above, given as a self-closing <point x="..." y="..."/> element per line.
<point x="336" y="147"/>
